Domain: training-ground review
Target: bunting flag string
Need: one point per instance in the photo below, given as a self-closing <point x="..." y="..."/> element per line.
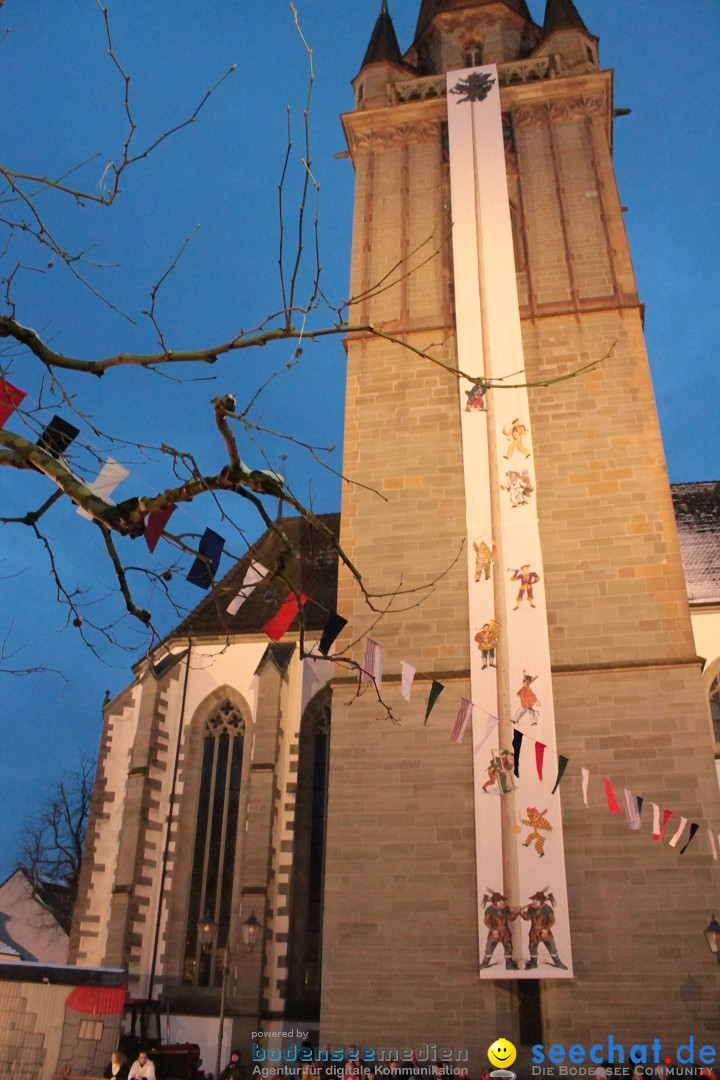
<point x="408" y="674"/>
<point x="253" y="576"/>
<point x="678" y="833"/>
<point x="562" y="766"/>
<point x="10" y="397"/>
<point x="610" y="796"/>
<point x="204" y="569"/>
<point x="280" y="622"/>
<point x="539" y="757"/>
<point x="693" y="830"/>
<point x="155" y="526"/>
<point x="517" y="747"/>
<point x="332" y="628"/>
<point x="461" y="723"/>
<point x="372" y="667"/>
<point x="57" y="436"/>
<point x="111" y="474"/>
<point x="435" y="691"/>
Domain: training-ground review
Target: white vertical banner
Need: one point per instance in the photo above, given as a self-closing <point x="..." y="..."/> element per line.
<point x="522" y="891"/>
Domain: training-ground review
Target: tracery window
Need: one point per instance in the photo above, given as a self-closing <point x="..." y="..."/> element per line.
<point x="715" y="706"/>
<point x="473" y="54"/>
<point x="215" y="840"/>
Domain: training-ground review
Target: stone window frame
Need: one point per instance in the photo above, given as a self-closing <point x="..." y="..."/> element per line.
<point x="189" y="777"/>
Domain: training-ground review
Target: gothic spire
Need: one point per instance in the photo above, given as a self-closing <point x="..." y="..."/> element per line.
<point x="562" y="15"/>
<point x="383" y="41"/>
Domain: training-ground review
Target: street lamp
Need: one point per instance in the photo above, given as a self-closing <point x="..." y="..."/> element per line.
<point x="712" y="933"/>
<point x="250" y="928"/>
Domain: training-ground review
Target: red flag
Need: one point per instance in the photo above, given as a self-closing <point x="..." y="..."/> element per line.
<point x="156" y="522"/>
<point x="539" y="755"/>
<point x="610" y="795"/>
<point x="280" y="623"/>
<point x="10" y="398"/>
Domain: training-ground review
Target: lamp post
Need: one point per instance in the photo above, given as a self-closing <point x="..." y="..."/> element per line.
<point x="712" y="933"/>
<point x="249" y="928"/>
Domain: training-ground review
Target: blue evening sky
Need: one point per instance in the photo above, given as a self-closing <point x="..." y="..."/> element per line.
<point x="61" y="102"/>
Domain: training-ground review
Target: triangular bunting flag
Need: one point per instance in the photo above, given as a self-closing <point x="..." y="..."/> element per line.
<point x="631" y="810"/>
<point x="517" y="747"/>
<point x="678" y="832"/>
<point x="280" y="622"/>
<point x="10" y="398"/>
<point x="539" y="758"/>
<point x="155" y="526"/>
<point x="658" y="826"/>
<point x="713" y="844"/>
<point x="111" y="474"/>
<point x="610" y="796"/>
<point x="57" y="436"/>
<point x="372" y="666"/>
<point x="461" y="722"/>
<point x="639" y="805"/>
<point x="253" y="576"/>
<point x="490" y="724"/>
<point x="585" y="781"/>
<point x="204" y="569"/>
<point x="562" y="766"/>
<point x="693" y="830"/>
<point x="331" y="630"/>
<point x="435" y="691"/>
<point x="408" y="674"/>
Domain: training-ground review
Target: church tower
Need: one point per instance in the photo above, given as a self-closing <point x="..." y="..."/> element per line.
<point x="411" y="895"/>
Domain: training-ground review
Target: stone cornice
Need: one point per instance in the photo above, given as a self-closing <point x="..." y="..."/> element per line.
<point x="547" y="101"/>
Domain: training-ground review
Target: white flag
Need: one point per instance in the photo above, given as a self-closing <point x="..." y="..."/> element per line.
<point x="713" y="843"/>
<point x="408" y="674"/>
<point x="111" y="474"/>
<point x="254" y="574"/>
<point x="490" y="725"/>
<point x="585" y="779"/>
<point x="681" y="826"/>
<point x="631" y="809"/>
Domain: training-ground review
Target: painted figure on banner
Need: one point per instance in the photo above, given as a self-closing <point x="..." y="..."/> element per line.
<point x="527" y="579"/>
<point x="514" y="431"/>
<point x="475" y="399"/>
<point x="487" y="638"/>
<point x="498" y="916"/>
<point x="539" y="824"/>
<point x="519" y="487"/>
<point x="501" y="771"/>
<point x="540" y="913"/>
<point x="484" y="558"/>
<point x="529" y="701"/>
<point x="474" y="87"/>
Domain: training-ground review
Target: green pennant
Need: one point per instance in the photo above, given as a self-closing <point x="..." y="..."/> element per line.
<point x="435" y="691"/>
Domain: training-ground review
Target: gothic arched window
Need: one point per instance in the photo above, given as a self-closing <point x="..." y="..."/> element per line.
<point x="715" y="706"/>
<point x="473" y="54"/>
<point x="215" y="839"/>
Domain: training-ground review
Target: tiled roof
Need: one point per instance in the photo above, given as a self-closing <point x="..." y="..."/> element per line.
<point x="312" y="568"/>
<point x="383" y="42"/>
<point x="697" y="512"/>
<point x="562" y="15"/>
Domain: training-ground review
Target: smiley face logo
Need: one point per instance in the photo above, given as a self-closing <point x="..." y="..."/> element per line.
<point x="502" y="1053"/>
